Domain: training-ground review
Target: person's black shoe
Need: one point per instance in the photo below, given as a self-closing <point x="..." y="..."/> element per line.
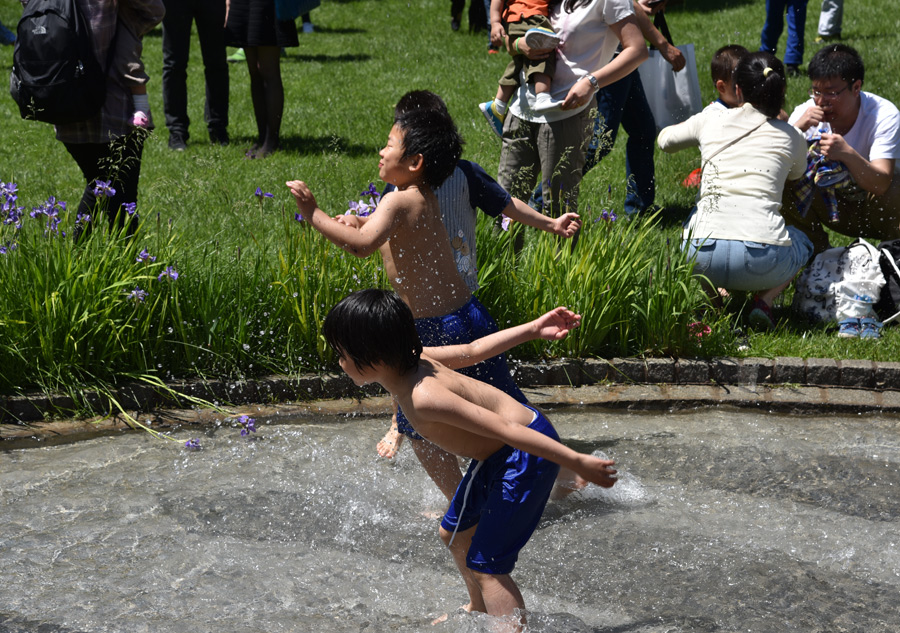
<point x="176" y="142"/>
<point x="793" y="70"/>
<point x="219" y="137"/>
<point x="454" y="23"/>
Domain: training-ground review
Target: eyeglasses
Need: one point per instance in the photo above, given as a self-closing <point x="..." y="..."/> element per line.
<point x="815" y="94"/>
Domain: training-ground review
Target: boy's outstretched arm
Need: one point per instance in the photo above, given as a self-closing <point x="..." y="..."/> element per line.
<point x="566" y="225"/>
<point x="551" y="326"/>
<point x="451" y="409"/>
<point x="362" y="240"/>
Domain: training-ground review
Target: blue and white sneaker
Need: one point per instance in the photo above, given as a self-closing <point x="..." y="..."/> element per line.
<point x="494" y="119"/>
<point x="540" y="37"/>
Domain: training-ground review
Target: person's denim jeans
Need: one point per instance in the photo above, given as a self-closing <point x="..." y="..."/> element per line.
<point x="749" y="266"/>
<point x="796" y="23"/>
<point x="623" y="103"/>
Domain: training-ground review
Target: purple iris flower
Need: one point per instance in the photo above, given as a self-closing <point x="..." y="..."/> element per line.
<point x="104" y="189"/>
<point x="261" y="194"/>
<point x="298" y="217"/>
<point x="145" y="257"/>
<point x="248" y="425"/>
<point x="193" y="444"/>
<point x="8" y="188"/>
<point x="169" y="272"/>
<point x="130" y="207"/>
<point x="137" y="295"/>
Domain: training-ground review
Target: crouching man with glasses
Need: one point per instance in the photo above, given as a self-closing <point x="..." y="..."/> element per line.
<point x="853" y="187"/>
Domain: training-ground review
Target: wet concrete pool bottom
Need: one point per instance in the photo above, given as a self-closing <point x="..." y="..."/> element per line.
<point x="726" y="519"/>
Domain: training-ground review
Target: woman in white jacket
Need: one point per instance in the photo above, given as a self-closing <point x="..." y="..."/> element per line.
<point x="736" y="233"/>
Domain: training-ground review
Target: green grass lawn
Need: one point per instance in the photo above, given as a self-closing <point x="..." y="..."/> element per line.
<point x="341" y="84"/>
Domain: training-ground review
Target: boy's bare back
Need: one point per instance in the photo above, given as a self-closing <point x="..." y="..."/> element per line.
<point x="417" y="257"/>
<point x="445" y="407"/>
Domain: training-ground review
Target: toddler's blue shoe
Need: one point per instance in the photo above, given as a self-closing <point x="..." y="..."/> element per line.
<point x="493" y="118"/>
<point x="869" y="328"/>
<point x="540" y="37"/>
<point x="849" y="328"/>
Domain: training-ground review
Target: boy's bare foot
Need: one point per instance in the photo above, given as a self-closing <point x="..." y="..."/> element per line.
<point x="567" y="482"/>
<point x="467" y="608"/>
<point x="390" y="443"/>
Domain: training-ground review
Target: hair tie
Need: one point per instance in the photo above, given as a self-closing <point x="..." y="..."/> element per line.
<point x="766" y="71"/>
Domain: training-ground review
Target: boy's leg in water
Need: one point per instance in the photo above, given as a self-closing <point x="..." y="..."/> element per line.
<point x="495" y="594"/>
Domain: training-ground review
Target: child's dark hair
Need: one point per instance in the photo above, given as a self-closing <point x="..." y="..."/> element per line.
<point x="725" y="61"/>
<point x="760" y="76"/>
<point x="374" y="326"/>
<point x="432" y="134"/>
<point x="419" y="100"/>
<point x="836" y="60"/>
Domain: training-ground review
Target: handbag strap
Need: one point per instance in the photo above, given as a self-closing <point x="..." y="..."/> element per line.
<point x="724" y="147"/>
<point x="659" y="21"/>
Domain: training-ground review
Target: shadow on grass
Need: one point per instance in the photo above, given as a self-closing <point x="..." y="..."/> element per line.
<point x="674" y="215"/>
<point x="313" y="146"/>
<point x="335" y="30"/>
<point x="706" y="6"/>
<point x="326" y="59"/>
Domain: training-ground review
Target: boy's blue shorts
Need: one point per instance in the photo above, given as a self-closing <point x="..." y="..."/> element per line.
<point x="505" y="496"/>
<point x="467" y="324"/>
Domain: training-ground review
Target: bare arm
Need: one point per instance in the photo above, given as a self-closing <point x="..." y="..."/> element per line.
<point x="670" y="53"/>
<point x="551" y="326"/>
<point x="446" y="407"/>
<point x="633" y="53"/>
<point x="362" y="240"/>
<point x="566" y="225"/>
<point x="874" y="176"/>
<point x="497" y="33"/>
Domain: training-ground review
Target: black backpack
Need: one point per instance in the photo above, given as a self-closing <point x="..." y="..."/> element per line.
<point x="888" y="305"/>
<point x="56" y="78"/>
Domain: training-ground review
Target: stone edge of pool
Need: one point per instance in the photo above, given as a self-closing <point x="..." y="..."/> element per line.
<point x="782" y="383"/>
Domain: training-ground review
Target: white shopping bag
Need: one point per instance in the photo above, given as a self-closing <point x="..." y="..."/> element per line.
<point x="673" y="97"/>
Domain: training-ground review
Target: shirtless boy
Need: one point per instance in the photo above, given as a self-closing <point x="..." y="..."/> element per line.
<point x="515" y="451"/>
<point x="422" y="150"/>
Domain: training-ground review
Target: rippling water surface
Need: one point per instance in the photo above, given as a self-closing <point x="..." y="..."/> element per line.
<point x="724" y="520"/>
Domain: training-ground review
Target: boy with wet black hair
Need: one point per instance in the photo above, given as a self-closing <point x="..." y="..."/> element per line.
<point x="469" y="188"/>
<point x="423" y="148"/>
<point x="515" y="451"/>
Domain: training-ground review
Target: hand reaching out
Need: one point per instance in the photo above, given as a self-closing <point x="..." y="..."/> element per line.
<point x="556" y="324"/>
<point x="567" y="225"/>
<point x="598" y="471"/>
<point x="306" y="201"/>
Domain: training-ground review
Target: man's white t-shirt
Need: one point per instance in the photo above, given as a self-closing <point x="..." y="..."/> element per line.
<point x="876" y="133"/>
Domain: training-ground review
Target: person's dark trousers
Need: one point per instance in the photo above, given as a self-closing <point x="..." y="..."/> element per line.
<point x="210" y="18"/>
<point x="774" y="25"/>
<point x="117" y="162"/>
<point x="624" y="103"/>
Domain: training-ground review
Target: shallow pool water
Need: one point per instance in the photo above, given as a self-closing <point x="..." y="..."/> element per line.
<point x="724" y="520"/>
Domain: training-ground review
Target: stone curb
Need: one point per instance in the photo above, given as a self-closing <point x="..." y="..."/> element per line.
<point x="742" y="372"/>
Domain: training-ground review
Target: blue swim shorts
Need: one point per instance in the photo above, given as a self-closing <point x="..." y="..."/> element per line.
<point x="504" y="496"/>
<point x="467" y="324"/>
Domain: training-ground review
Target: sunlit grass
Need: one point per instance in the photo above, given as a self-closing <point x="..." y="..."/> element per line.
<point x="254" y="284"/>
